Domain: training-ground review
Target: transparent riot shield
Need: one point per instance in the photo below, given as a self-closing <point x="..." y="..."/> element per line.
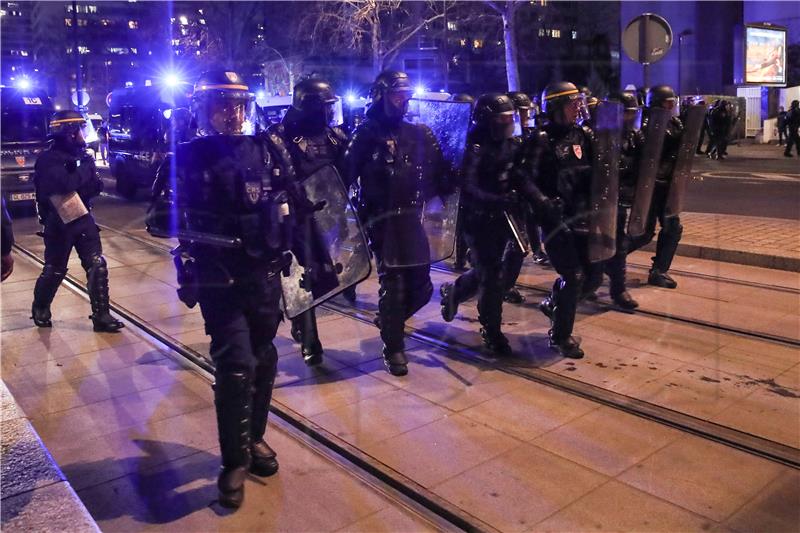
<point x="605" y="181"/>
<point x="647" y="168"/>
<point x="329" y="251"/>
<point x="682" y="170"/>
<point x="408" y="230"/>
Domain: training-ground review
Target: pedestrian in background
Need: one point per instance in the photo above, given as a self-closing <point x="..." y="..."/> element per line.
<point x="102" y="135"/>
<point x="792" y="126"/>
<point x="7" y="243"/>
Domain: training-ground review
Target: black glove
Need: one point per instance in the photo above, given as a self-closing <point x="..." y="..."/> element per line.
<point x="509" y="199"/>
<point x="71" y="166"/>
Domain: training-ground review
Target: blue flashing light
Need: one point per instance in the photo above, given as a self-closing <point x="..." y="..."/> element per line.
<point x="420" y="90"/>
<point x="23" y="83"/>
<point x="167" y="113"/>
<point x="128" y="84"/>
<point x="261" y="95"/>
<point x="172" y="80"/>
<point x="350" y="97"/>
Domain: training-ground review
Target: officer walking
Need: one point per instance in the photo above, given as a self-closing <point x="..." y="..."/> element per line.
<point x="460" y="259"/>
<point x="560" y="162"/>
<point x="630" y="154"/>
<point x="793" y="127"/>
<point x="671" y="229"/>
<point x="398" y="165"/>
<point x="233" y="194"/>
<point x="492" y="188"/>
<point x="66" y="181"/>
<point x="528" y="111"/>
<point x="719" y="122"/>
<point x="307" y="131"/>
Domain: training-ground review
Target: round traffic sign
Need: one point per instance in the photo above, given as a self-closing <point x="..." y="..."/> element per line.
<point x="647" y="38"/>
<point x="84" y="97"/>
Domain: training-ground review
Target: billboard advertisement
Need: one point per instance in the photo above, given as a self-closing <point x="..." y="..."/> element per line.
<point x="765" y="55"/>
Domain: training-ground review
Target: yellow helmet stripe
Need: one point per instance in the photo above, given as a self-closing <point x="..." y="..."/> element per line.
<point x="66" y="120"/>
<point x="562" y="93"/>
<point x="236" y="87"/>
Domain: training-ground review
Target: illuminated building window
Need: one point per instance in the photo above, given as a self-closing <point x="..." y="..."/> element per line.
<point x="574" y="34"/>
<point x="68" y="22"/>
<point x="452" y="26"/>
<point x="556" y="34"/>
<point x="183" y="20"/>
<point x="133" y="24"/>
<point x="83" y="22"/>
<point x="477" y="43"/>
<point x="541" y="32"/>
<point x="462" y="42"/>
<point x="118" y="50"/>
<point x="176" y="42"/>
<point x="134" y="50"/>
<point x="105" y="22"/>
<point x="83" y="50"/>
<point x="2" y="12"/>
<point x="202" y="22"/>
<point x="23" y="53"/>
<point x="91" y="9"/>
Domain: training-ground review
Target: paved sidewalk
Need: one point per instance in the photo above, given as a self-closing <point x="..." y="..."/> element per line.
<point x="756" y="241"/>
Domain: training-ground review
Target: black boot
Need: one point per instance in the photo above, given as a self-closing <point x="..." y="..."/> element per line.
<point x="304" y="331"/>
<point x="661" y="279"/>
<point x="569" y="347"/>
<point x="43" y="293"/>
<point x="232" y="397"/>
<point x="449" y="302"/>
<point x="263" y="459"/>
<point x="625" y="301"/>
<point x="496" y="342"/>
<point x="396" y="362"/>
<point x="98" y="296"/>
<point x="513" y="296"/>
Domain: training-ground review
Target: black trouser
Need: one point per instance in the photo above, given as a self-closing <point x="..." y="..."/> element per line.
<point x="242" y="319"/>
<point x="782" y="134"/>
<point x="403" y="291"/>
<point x="488" y="240"/>
<point x="671" y="229"/>
<point x="793" y="140"/>
<point x="60" y="238"/>
<point x="616" y="266"/>
<point x="568" y="253"/>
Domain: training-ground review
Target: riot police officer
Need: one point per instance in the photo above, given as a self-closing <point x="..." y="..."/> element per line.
<point x="630" y="153"/>
<point x="460" y="259"/>
<point x="66" y="181"/>
<point x="718" y="123"/>
<point x="560" y="162"/>
<point x="312" y="141"/>
<point x="671" y="229"/>
<point x="234" y="203"/>
<point x="398" y="166"/>
<point x="492" y="188"/>
<point x="793" y="129"/>
<point x="527" y="111"/>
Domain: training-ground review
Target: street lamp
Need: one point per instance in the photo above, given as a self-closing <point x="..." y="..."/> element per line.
<point x="681" y="35"/>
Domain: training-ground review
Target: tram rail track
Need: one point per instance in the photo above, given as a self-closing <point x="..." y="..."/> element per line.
<point x="606" y="306"/>
<point x="735" y="438"/>
<point x="393" y="484"/>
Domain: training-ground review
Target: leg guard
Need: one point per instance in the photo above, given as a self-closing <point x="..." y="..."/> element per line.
<point x="232" y="397"/>
<point x="97" y="276"/>
<point x="44" y="292"/>
<point x="667" y="245"/>
<point x="306" y="327"/>
<point x="264" y="460"/>
<point x="565" y="301"/>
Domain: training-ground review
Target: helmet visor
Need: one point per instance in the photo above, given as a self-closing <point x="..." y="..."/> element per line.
<point x="505" y="125"/>
<point x="225" y="114"/>
<point x="632" y="118"/>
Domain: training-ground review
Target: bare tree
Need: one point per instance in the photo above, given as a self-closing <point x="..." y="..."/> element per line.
<point x="507" y="10"/>
<point x="380" y="26"/>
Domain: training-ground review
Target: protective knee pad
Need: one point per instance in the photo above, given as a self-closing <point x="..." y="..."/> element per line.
<point x="673" y="227"/>
<point x="97" y="264"/>
<point x="53" y="272"/>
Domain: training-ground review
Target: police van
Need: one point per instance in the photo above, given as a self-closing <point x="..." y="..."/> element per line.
<point x="25" y="118"/>
<point x="139" y="134"/>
